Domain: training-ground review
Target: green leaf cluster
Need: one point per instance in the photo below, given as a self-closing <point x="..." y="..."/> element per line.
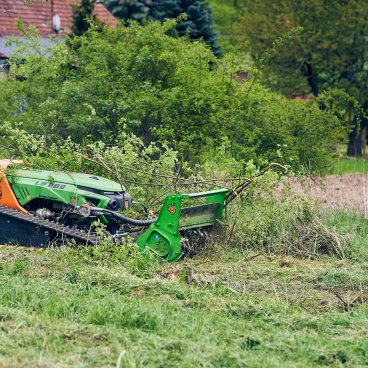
<point x="82" y="15"/>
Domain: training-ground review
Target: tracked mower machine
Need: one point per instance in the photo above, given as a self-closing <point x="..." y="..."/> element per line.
<point x="45" y="208"/>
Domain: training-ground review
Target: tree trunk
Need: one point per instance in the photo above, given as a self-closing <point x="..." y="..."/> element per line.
<point x="355" y="142"/>
<point x="364" y="141"/>
<point x="311" y="78"/>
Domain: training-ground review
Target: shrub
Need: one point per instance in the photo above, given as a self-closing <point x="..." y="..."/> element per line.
<point x="108" y="84"/>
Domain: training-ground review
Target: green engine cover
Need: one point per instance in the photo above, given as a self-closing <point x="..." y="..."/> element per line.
<point x="67" y="188"/>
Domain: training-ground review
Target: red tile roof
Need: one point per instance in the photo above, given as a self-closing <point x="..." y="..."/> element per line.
<point x="39" y="14"/>
<point x="103" y="15"/>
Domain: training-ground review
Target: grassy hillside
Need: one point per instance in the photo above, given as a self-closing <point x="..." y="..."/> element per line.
<point x="223" y="308"/>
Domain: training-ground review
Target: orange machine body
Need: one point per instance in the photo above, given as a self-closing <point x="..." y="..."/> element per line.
<point x="7" y="196"/>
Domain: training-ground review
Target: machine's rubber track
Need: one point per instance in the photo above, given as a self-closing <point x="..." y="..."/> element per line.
<point x="61" y="231"/>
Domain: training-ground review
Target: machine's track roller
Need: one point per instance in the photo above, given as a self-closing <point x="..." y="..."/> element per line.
<point x="26" y="230"/>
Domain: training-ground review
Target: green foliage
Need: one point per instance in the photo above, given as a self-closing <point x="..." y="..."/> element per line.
<point x="197" y="23"/>
<point x="343" y="105"/>
<point x="137" y="10"/>
<point x="329" y="52"/>
<point x="143" y="82"/>
<point x="82" y="16"/>
<point x="227" y="14"/>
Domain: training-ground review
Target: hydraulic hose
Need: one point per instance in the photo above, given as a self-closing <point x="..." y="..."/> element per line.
<point x="128" y="220"/>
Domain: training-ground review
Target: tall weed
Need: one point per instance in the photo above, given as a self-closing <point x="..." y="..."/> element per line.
<point x="278" y="222"/>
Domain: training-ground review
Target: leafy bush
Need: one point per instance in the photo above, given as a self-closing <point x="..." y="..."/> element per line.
<point x="109" y="84"/>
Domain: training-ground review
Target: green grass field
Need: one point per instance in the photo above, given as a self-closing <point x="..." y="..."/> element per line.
<point x="251" y="304"/>
<point x="349" y="166"/>
<point x="223" y="308"/>
<point x="343" y="164"/>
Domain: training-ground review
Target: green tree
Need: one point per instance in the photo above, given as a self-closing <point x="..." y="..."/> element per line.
<point x="82" y="16"/>
<point x="330" y="52"/>
<point x="227" y="14"/>
<point x="198" y="23"/>
<point x="129" y="9"/>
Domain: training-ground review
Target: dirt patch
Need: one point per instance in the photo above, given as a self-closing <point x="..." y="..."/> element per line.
<point x="346" y="191"/>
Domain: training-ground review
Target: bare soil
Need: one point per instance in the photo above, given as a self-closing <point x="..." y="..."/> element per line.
<point x="348" y="191"/>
